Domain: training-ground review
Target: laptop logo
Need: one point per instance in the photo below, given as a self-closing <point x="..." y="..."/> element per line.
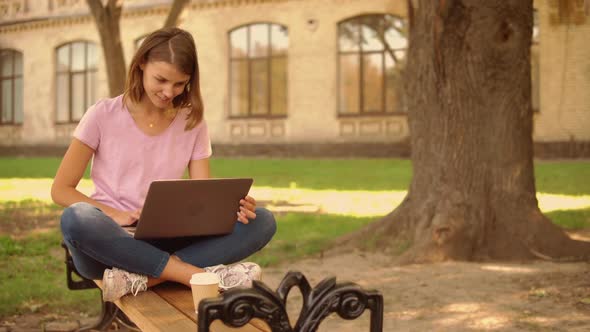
<point x="194" y="209"/>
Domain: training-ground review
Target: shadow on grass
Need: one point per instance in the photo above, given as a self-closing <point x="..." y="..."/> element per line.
<point x="563" y="177"/>
<point x="302" y="235"/>
<point x="19" y="218"/>
<point x="571" y="219"/>
<point x="32" y="269"/>
<point x="33" y="280"/>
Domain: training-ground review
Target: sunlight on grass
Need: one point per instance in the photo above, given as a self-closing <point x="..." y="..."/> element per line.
<point x="356" y="203"/>
<point x="552" y="202"/>
<point x="18" y="189"/>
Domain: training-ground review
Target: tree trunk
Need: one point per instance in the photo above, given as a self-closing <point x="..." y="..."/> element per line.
<point x="107" y="20"/>
<point x="107" y="23"/>
<point x="175" y="10"/>
<point x="468" y="91"/>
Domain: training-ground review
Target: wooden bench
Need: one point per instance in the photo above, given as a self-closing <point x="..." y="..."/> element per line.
<point x="170" y="307"/>
<point x="166" y="307"/>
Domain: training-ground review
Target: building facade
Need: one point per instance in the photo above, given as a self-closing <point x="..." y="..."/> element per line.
<point x="280" y="73"/>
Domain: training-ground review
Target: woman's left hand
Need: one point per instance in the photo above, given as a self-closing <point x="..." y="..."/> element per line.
<point x="247" y="209"/>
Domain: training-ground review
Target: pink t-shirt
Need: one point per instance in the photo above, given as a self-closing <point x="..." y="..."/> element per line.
<point x="126" y="160"/>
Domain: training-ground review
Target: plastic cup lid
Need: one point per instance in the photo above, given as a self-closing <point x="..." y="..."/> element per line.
<point x="204" y="278"/>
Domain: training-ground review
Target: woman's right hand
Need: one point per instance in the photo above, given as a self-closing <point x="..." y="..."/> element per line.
<point x="124" y="218"/>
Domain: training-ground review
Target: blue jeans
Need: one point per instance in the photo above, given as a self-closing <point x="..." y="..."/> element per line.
<point x="97" y="242"/>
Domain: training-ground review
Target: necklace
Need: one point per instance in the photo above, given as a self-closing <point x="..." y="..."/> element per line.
<point x="131" y="111"/>
<point x="152" y="122"/>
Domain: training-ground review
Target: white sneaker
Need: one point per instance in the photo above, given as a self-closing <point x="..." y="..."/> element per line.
<point x="239" y="274"/>
<point x="116" y="283"/>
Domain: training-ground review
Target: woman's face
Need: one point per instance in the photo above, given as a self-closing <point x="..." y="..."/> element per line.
<point x="162" y="82"/>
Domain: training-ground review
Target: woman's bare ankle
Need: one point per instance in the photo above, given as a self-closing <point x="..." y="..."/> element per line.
<point x="179" y="271"/>
<point x="154" y="281"/>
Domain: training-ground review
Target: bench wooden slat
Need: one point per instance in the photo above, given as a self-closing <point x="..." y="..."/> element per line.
<point x="152" y="313"/>
<point x="169" y="307"/>
<point x="181" y="298"/>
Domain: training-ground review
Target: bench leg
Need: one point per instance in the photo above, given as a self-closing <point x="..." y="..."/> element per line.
<point x="109" y="312"/>
<point x="125" y="321"/>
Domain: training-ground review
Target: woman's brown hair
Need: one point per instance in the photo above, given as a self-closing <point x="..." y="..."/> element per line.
<point x="177" y="47"/>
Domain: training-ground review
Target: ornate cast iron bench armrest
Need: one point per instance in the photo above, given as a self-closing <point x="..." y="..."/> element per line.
<point x="237" y="306"/>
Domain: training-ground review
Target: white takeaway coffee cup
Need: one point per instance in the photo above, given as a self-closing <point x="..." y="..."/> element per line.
<point x="204" y="285"/>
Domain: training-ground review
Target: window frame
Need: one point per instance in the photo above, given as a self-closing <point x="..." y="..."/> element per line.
<point x="70" y="74"/>
<point x="361" y="72"/>
<point x="249" y="59"/>
<point x="12" y="78"/>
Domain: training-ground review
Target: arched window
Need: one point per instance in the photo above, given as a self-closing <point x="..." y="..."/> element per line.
<point x="11" y="80"/>
<point x="76" y="71"/>
<point x="258" y="70"/>
<point x="371" y="57"/>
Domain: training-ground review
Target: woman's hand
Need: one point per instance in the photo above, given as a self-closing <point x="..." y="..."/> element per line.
<point x="247" y="209"/>
<point x="124" y="218"/>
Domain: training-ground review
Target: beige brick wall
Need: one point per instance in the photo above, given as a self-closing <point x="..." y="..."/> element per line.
<point x="564" y="79"/>
<point x="312" y="73"/>
<point x="38" y="48"/>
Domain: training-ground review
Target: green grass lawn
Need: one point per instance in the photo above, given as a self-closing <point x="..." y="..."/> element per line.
<point x="32" y="272"/>
<point x="32" y="269"/>
<point x="32" y="278"/>
<point x="564" y="177"/>
<point x="571" y="219"/>
<point x="299" y="235"/>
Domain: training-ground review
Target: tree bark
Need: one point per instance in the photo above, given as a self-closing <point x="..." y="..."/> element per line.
<point x="468" y="91"/>
<point x="107" y="18"/>
<point x="175" y="12"/>
<point x="107" y="22"/>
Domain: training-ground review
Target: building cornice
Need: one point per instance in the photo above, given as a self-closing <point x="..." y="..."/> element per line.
<point x="38" y="23"/>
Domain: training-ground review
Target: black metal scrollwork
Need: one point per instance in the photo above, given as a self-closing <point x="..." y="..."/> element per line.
<point x="237" y="307"/>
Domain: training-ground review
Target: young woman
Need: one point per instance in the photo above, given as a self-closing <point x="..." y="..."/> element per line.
<point x="155" y="130"/>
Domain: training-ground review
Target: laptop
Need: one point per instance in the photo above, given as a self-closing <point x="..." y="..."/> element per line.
<point x="181" y="208"/>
